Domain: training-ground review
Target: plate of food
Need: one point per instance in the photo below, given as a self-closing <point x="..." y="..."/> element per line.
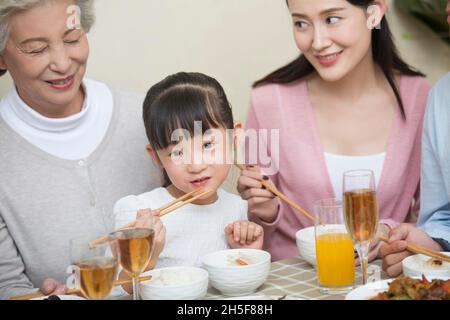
<point x="403" y="288"/>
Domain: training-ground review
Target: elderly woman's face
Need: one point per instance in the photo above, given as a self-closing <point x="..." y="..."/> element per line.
<point x="47" y="59"/>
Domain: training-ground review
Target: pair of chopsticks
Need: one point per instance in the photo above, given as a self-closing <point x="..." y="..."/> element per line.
<point x="278" y="193"/>
<point x="421" y="250"/>
<point x="410" y="247"/>
<point x="165" y="209"/>
<point x="39" y="294"/>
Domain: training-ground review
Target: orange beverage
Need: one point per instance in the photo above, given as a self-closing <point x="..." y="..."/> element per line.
<point x="335" y="260"/>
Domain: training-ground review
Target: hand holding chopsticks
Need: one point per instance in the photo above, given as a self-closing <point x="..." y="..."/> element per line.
<point x="39" y="293"/>
<point x="282" y="196"/>
<point x="165" y="209"/>
<point x="421" y="250"/>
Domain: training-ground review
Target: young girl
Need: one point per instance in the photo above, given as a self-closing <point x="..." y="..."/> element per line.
<point x="189" y="124"/>
<point x="348" y="102"/>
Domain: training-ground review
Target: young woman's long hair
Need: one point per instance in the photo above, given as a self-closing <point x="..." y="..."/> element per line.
<point x="384" y="51"/>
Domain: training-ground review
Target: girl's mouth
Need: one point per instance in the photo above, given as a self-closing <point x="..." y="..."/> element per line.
<point x="200" y="182"/>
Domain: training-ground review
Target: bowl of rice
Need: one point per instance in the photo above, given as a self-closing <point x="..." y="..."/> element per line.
<point x="175" y="283"/>
<point x="419" y="264"/>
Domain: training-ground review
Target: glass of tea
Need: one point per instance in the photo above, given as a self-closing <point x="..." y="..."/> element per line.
<point x="334" y="248"/>
<point x="95" y="268"/>
<point x="361" y="212"/>
<point x="134" y="245"/>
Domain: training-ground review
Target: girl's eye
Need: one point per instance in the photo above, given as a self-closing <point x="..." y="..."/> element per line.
<point x="333" y="20"/>
<point x="208" y="145"/>
<point x="176" y="153"/>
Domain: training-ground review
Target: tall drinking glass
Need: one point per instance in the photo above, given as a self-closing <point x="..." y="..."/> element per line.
<point x="334" y="248"/>
<point x="361" y="212"/>
<point x="96" y="268"/>
<point x="134" y="246"/>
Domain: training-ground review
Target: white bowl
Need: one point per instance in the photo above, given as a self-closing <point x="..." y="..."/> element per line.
<point x="175" y="283"/>
<point x="306" y="244"/>
<point x="415" y="266"/>
<point x="237" y="280"/>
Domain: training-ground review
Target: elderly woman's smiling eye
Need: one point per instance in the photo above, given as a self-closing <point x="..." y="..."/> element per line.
<point x="33" y="48"/>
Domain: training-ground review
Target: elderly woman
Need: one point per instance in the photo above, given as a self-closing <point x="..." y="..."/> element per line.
<point x="70" y="147"/>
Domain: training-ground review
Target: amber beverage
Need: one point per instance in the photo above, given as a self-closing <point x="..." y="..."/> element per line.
<point x="135" y="247"/>
<point x="97" y="276"/>
<point x="361" y="214"/>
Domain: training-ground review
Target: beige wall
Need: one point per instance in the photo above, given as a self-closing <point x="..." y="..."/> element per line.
<point x="136" y="43"/>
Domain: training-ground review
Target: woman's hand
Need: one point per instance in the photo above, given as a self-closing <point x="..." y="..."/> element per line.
<point x="375" y="244"/>
<point x="244" y="234"/>
<point x="395" y="251"/>
<point x="52" y="287"/>
<point x="261" y="202"/>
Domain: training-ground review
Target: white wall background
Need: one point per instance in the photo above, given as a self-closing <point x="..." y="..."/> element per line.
<point x="136" y="43"/>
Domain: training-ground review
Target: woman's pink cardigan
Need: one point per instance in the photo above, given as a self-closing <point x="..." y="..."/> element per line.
<point x="302" y="173"/>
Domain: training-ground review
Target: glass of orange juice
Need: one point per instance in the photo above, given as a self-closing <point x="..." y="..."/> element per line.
<point x="334" y="248"/>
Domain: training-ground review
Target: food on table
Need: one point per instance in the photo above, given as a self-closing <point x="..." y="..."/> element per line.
<point x="239" y="260"/>
<point x="175" y="277"/>
<point x="406" y="288"/>
<point x="434" y="263"/>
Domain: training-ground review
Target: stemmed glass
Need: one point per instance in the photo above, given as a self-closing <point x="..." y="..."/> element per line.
<point x="95" y="268"/>
<point x="134" y="245"/>
<point x="361" y="212"/>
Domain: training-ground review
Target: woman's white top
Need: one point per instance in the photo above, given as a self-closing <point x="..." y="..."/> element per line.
<point x="338" y="164"/>
<point x="70" y="138"/>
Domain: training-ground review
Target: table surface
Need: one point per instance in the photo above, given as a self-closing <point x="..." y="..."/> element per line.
<point x="296" y="279"/>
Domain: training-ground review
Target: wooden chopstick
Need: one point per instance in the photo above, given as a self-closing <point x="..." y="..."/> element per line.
<point x="278" y="193"/>
<point x="39" y="294"/>
<point x="422" y="250"/>
<point x="169" y="210"/>
<point x="165" y="209"/>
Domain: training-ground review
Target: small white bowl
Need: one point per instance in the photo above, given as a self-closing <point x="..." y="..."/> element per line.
<point x="236" y="280"/>
<point x="416" y="265"/>
<point x="306" y="244"/>
<point x="164" y="284"/>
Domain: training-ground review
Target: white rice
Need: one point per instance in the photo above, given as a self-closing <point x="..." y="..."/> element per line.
<point x="175" y="277"/>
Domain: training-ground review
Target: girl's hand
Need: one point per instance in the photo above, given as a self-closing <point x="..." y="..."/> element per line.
<point x="244" y="234"/>
<point x="144" y="219"/>
<point x="261" y="202"/>
<point x="375" y="244"/>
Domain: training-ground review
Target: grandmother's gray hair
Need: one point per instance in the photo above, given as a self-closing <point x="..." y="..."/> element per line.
<point x="10" y="7"/>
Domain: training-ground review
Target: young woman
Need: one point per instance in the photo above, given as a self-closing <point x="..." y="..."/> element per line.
<point x="348" y="102"/>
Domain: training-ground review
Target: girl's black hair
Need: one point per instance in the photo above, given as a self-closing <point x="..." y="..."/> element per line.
<point x="178" y="101"/>
<point x="384" y="51"/>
